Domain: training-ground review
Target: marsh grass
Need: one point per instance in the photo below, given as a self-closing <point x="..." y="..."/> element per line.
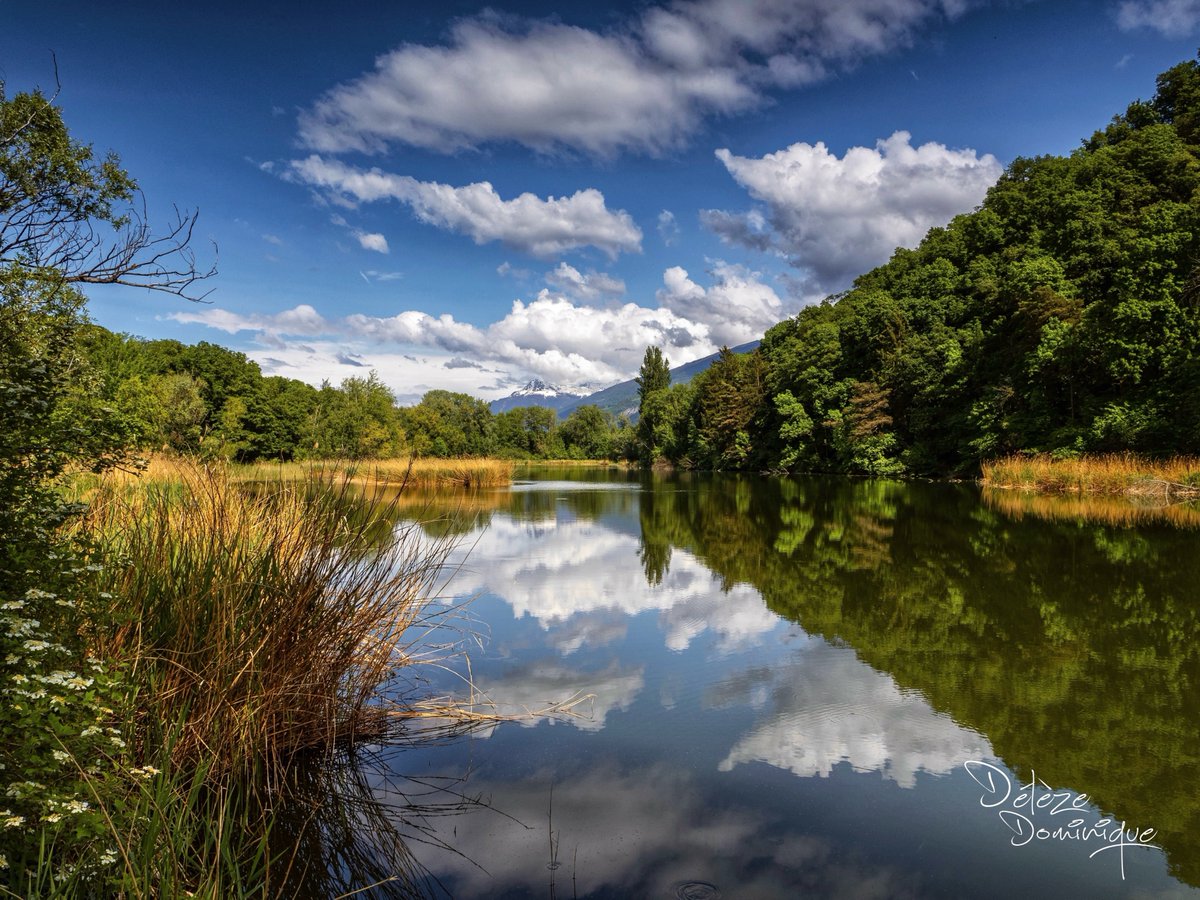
<point x="1112" y="474"/>
<point x="413" y="473"/>
<point x="263" y="623"/>
<point x="268" y="629"/>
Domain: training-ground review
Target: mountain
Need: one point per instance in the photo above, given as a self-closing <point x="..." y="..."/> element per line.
<point x="536" y="393"/>
<point x="622" y="399"/>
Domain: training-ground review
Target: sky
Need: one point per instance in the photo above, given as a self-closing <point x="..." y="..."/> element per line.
<point x="466" y="197"/>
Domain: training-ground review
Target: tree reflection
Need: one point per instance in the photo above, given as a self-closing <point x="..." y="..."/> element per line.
<point x="1070" y="644"/>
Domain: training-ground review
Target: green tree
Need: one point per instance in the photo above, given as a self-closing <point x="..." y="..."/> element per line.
<point x="588" y="432"/>
<point x="653" y="377"/>
<point x="66" y="219"/>
<point x="450" y="424"/>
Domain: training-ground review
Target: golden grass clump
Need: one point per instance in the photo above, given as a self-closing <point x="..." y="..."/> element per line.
<point x="439" y="473"/>
<point x="1115" y="473"/>
<point x="260" y="623"/>
<point x="418" y="473"/>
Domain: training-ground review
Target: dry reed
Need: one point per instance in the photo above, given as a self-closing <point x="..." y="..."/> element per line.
<point x="260" y="624"/>
<point x="1122" y="473"/>
<point x="417" y="473"/>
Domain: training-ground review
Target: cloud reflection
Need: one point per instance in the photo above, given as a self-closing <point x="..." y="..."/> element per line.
<point x="830" y="707"/>
<point x="557" y="571"/>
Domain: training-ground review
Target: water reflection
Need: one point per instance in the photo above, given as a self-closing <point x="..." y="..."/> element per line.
<point x="825" y="707"/>
<point x="743" y="635"/>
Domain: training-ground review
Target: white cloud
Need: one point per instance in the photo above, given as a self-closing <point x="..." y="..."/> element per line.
<point x="551" y="337"/>
<point x="737" y="308"/>
<point x="409" y="375"/>
<point x="301" y="320"/>
<point x="644" y="87"/>
<point x="565" y="340"/>
<point x="376" y="242"/>
<point x="589" y="288"/>
<point x="835" y="218"/>
<point x="1171" y="18"/>
<point x="528" y="223"/>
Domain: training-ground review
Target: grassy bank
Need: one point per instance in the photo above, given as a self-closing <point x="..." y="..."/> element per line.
<point x="1108" y="474"/>
<point x="421" y="474"/>
<point x="252" y="636"/>
<point x="426" y="474"/>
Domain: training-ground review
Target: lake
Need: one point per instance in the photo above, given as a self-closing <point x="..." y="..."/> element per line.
<point x="811" y="687"/>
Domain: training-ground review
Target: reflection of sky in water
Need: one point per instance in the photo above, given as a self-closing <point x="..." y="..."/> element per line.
<point x="722" y="744"/>
<point x="559" y="572"/>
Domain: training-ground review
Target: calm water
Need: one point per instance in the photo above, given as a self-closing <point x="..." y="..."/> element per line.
<point x="787" y="679"/>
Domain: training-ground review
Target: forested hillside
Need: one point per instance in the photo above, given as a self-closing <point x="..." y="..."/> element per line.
<point x="1063" y="315"/>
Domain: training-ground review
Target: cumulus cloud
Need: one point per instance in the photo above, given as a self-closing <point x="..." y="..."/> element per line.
<point x="737" y="308"/>
<point x="1171" y="18"/>
<point x="645" y="86"/>
<point x="528" y="223"/>
<point x="551" y="337"/>
<point x="836" y="217"/>
<point x="590" y="287"/>
<point x="561" y="338"/>
<point x="300" y="320"/>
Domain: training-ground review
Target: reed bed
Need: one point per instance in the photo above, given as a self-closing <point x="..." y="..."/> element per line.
<point x="263" y="624"/>
<point x="267" y="632"/>
<point x="439" y="473"/>
<point x="423" y="473"/>
<point x="1111" y="474"/>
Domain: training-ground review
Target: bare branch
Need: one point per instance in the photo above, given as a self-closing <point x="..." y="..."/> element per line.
<point x="73" y="219"/>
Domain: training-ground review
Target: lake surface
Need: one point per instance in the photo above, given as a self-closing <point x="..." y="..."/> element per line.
<point x="813" y="688"/>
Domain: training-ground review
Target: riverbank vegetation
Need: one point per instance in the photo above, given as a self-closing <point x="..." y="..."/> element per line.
<point x="1114" y="474"/>
<point x="1061" y="316"/>
<point x="174" y="651"/>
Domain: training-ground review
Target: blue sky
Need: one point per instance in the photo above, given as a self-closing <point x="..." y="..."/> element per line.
<point x="463" y="196"/>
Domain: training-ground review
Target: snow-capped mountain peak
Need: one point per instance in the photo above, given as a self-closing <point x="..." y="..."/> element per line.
<point x="537" y="388"/>
<point x="535" y="393"/>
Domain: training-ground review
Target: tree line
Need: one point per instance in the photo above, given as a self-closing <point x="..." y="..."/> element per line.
<point x="206" y="399"/>
<point x="1061" y="316"/>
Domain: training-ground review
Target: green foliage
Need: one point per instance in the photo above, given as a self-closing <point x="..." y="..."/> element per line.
<point x="356" y="421"/>
<point x="588" y="433"/>
<point x="1061" y="316"/>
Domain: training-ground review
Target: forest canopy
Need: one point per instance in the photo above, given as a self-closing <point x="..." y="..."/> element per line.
<point x="1062" y="316"/>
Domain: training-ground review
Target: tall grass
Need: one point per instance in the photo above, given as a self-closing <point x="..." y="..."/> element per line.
<point x="416" y="473"/>
<point x="260" y="624"/>
<point x="1118" y="473"/>
<point x="439" y="473"/>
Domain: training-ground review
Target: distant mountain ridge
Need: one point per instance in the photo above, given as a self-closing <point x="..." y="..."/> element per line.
<point x="536" y="393"/>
